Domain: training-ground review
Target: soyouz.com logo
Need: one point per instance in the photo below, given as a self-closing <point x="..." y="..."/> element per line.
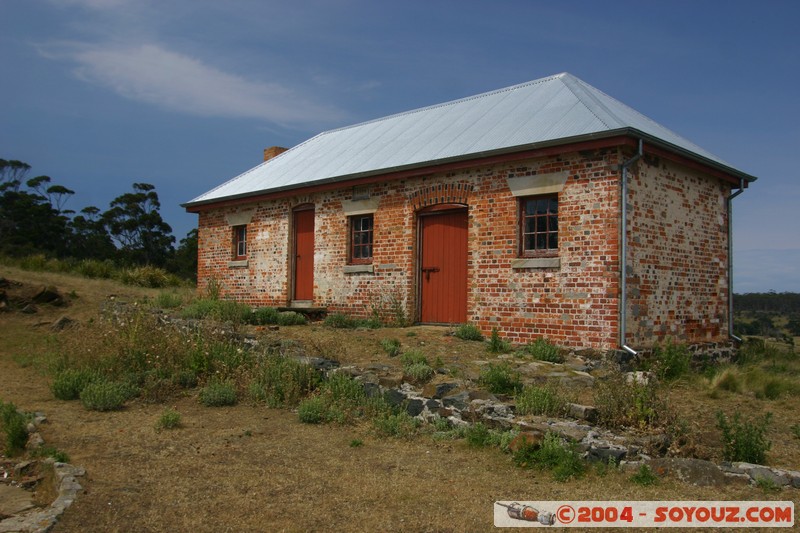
<point x="587" y="514"/>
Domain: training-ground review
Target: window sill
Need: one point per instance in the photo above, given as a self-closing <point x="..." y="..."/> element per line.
<point x="357" y="269"/>
<point x="237" y="264"/>
<point x="536" y="262"/>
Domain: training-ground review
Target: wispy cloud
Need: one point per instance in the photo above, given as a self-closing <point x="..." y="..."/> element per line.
<point x="91" y="4"/>
<point x="153" y="74"/>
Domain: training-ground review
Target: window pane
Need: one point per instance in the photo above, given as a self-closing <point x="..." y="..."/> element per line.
<point x="530" y="225"/>
<point x="530" y="207"/>
<point x="541" y="241"/>
<point x="529" y="242"/>
<point x="553" y="205"/>
<point x="541" y="207"/>
<point x="552" y="241"/>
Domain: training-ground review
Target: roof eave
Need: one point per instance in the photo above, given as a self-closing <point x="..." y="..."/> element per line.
<point x="628" y="132"/>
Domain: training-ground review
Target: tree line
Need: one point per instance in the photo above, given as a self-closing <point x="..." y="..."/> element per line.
<point x="131" y="232"/>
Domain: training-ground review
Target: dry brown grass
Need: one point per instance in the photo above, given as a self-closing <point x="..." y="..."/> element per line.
<point x="249" y="468"/>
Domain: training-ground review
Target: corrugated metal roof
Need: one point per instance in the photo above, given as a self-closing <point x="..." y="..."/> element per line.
<point x="538" y="112"/>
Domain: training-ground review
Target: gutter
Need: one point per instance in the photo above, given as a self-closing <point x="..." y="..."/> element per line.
<point x="729" y="204"/>
<point x="623" y="267"/>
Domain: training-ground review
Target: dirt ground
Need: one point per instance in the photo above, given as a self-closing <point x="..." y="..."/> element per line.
<point x="249" y="468"/>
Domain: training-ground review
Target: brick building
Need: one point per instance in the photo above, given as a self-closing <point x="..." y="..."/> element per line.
<point x="504" y="210"/>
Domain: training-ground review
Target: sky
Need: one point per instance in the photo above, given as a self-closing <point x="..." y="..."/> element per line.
<point x="186" y="94"/>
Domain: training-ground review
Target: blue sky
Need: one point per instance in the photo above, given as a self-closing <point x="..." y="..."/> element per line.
<point x="185" y="94"/>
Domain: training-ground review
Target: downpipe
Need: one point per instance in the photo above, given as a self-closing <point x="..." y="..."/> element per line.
<point x="623" y="276"/>
<point x="729" y="204"/>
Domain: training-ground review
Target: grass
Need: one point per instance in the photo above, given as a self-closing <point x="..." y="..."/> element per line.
<point x="644" y="476"/>
<point x="416" y="367"/>
<point x="50" y="451"/>
<point x="391" y="347"/>
<point x="671" y="361"/>
<point x="554" y="455"/>
<point x="624" y="403"/>
<point x="280" y="381"/>
<point x="343" y="321"/>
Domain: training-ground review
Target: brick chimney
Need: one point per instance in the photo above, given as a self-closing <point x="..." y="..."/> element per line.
<point x="273" y="151"/>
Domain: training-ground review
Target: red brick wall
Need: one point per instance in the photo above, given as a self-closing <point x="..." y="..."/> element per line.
<point x="574" y="305"/>
<point x="678" y="255"/>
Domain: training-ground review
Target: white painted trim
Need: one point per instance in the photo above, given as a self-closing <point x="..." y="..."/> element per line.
<point x="538" y="184"/>
<point x="237" y="264"/>
<point x="239" y="219"/>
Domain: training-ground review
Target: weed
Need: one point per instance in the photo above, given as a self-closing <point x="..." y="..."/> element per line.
<point x="543" y="350"/>
<point x="602" y="468"/>
<point x="795" y="429"/>
<point x="413" y="357"/>
<point x="672" y="361"/>
<point x="356" y="443"/>
<point x="501" y="379"/>
<point x="644" y="476"/>
<point x="479" y="436"/>
<point x="744" y="440"/>
<point x="411" y="334"/>
<point x="105" y="395"/>
<point x="281" y="381"/>
<point x="536" y="400"/>
<point x="50" y="451"/>
<point x="213" y="288"/>
<point x="391" y="347"/>
<point x="169" y="419"/>
<point x="218" y="393"/>
<point x="15" y="427"/>
<point x="767" y="485"/>
<point x="468" y="332"/>
<point x="623" y="403"/>
<point x="222" y="310"/>
<point x="344" y="391"/>
<point x="312" y="410"/>
<point x="185" y="378"/>
<point x="554" y="455"/>
<point x="497" y="344"/>
<point x="68" y="384"/>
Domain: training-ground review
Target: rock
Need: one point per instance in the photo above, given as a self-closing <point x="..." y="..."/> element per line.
<point x="48" y="295"/>
<point x="29" y="309"/>
<point x="318" y="363"/>
<point x="600" y="452"/>
<point x="694" y="471"/>
<point x="640" y="377"/>
<point x="437" y="390"/>
<point x="762" y="473"/>
<point x="414" y="406"/>
<point x="34" y="441"/>
<point x="14" y="500"/>
<point x="391" y="379"/>
<point x="457" y="401"/>
<point x="62" y="323"/>
<point x="526" y="439"/>
<point x="394" y="397"/>
<point x="481" y="395"/>
<point x="583" y="412"/>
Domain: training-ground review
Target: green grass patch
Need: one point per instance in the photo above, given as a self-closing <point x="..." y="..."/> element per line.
<point x="343" y="321"/>
<point x="281" y="381"/>
<point x="541" y="400"/>
<point x="468" y="332"/>
<point x="391" y="347"/>
<point x="169" y="419"/>
<point x="501" y="379"/>
<point x="543" y="350"/>
<point x="555" y="455"/>
<point x="644" y="476"/>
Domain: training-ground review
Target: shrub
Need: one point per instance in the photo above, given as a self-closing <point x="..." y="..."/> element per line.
<point x="479" y="436"/>
<point x="391" y="347"/>
<point x="263" y="316"/>
<point x="554" y="455"/>
<point x="185" y="378"/>
<point x="727" y="379"/>
<point x="169" y="419"/>
<point x="544" y="350"/>
<point x="68" y="384"/>
<point x="468" y="332"/>
<point x="497" y="344"/>
<point x="644" y="476"/>
<point x="15" y="428"/>
<point x="672" y="361"/>
<point x="744" y="440"/>
<point x="105" y="395"/>
<point x="344" y="391"/>
<point x="312" y="410"/>
<point x="290" y="318"/>
<point x="92" y="268"/>
<point x="501" y="379"/>
<point x="218" y="394"/>
<point x="281" y="381"/>
<point x="418" y="372"/>
<point x="535" y="400"/>
<point x="413" y="357"/>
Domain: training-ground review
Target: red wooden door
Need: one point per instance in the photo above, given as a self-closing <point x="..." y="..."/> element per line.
<point x="443" y="267"/>
<point x="304" y="254"/>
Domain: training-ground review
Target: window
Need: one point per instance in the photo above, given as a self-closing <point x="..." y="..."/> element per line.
<point x="538" y="223"/>
<point x="361" y="239"/>
<point x="240" y="242"/>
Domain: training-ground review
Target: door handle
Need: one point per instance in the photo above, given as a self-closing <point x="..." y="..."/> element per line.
<point x="428" y="270"/>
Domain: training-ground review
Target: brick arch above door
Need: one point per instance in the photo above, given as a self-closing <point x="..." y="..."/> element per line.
<point x="441" y="193"/>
